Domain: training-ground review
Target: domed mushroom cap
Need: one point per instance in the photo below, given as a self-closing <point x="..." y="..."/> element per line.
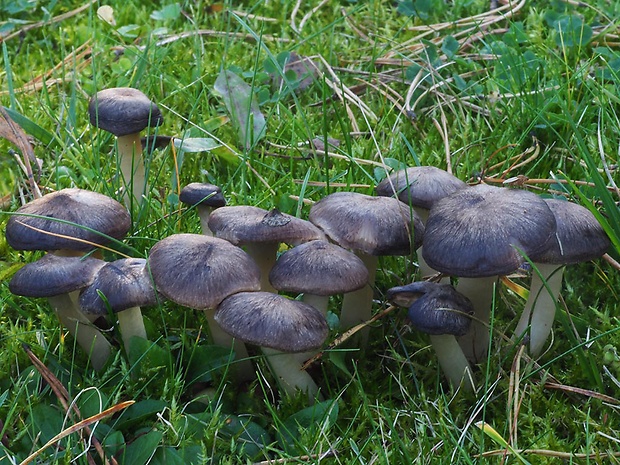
<point x="271" y="320"/>
<point x="319" y="268"/>
<point x="244" y="224"/>
<point x="199" y="271"/>
<point x="198" y="193"/>
<point x="479" y="231"/>
<point x="434" y="308"/>
<point x="420" y="186"/>
<point x="579" y="237"/>
<point x="123" y="111"/>
<point x="125" y="283"/>
<point x="373" y="225"/>
<point x="53" y="275"/>
<point x="85" y="210"/>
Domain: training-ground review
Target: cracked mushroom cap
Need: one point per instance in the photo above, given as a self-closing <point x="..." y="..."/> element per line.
<point x="53" y="275"/>
<point x="434" y="308"/>
<point x="85" y="210"/>
<point x="271" y="320"/>
<point x="199" y="193"/>
<point x="245" y="224"/>
<point x="483" y="231"/>
<point x="579" y="237"/>
<point x="373" y="225"/>
<point x="199" y="271"/>
<point x="320" y="268"/>
<point x="125" y="283"/>
<point x="419" y="186"/>
<point x="123" y="111"/>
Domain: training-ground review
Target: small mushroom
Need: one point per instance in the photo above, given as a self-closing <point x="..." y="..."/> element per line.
<point x="281" y="327"/>
<point x="578" y="237"/>
<point x="205" y="198"/>
<point x="441" y="312"/>
<point x="125" y="112"/>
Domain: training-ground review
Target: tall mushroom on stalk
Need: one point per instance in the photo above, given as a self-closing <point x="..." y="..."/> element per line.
<point x="69" y="222"/>
<point x="261" y="232"/>
<point x="281" y="327"/>
<point x="59" y="279"/>
<point x="420" y="187"/>
<point x="441" y="312"/>
<point x="125" y="112"/>
<point x="205" y="198"/>
<point x="481" y="233"/>
<point x="199" y="271"/>
<point x="579" y="237"/>
<point x="371" y="227"/>
<point x="121" y="286"/>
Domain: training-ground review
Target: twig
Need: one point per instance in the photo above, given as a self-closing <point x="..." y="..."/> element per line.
<point x="305" y="458"/>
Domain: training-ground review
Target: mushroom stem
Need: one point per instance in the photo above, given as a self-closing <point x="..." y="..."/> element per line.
<point x="264" y="254"/>
<point x="242" y="369"/>
<point x="289" y="374"/>
<point x="452" y="360"/>
<point x="132" y="168"/>
<point x="204" y="213"/>
<point x="357" y="305"/>
<point x="480" y="291"/>
<point x="131" y="324"/>
<point x="88" y="337"/>
<point x="320" y="302"/>
<point x="539" y="311"/>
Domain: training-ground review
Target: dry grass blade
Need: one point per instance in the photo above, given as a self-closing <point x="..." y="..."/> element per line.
<point x="583" y="392"/>
<point x="302" y="458"/>
<point x="77" y="427"/>
<point x="548" y="453"/>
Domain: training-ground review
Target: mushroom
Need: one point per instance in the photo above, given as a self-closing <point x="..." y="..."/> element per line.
<point x="483" y="232"/>
<point x="441" y="312"/>
<point x="420" y="187"/>
<point x="261" y="232"/>
<point x="199" y="271"/>
<point x="59" y="279"/>
<point x="205" y="197"/>
<point x="578" y="237"/>
<point x="370" y="226"/>
<point x="125" y="112"/>
<point x="281" y="327"/>
<point x="122" y="286"/>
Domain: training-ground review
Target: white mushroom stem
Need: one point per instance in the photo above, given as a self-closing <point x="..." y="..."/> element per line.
<point x="88" y="337"/>
<point x="243" y="369"/>
<point x="320" y="302"/>
<point x="539" y="311"/>
<point x="452" y="360"/>
<point x="131" y="324"/>
<point x="480" y="291"/>
<point x="357" y="305"/>
<point x="264" y="254"/>
<point x="203" y="213"/>
<point x="132" y="168"/>
<point x="289" y="374"/>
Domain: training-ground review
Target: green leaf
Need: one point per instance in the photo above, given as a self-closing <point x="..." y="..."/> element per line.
<point x="139" y="413"/>
<point x="148" y="355"/>
<point x="195" y="144"/>
<point x="204" y="361"/>
<point x="168" y="12"/>
<point x="242" y="105"/>
<point x="140" y="451"/>
<point x="306" y="422"/>
<point x="250" y="438"/>
<point x="32" y="128"/>
<point x="450" y="46"/>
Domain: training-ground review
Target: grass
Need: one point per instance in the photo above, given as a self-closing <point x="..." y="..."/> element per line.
<point x="529" y="97"/>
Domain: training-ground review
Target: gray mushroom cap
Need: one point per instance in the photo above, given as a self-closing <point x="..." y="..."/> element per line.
<point x="198" y="193"/>
<point x="54" y="275"/>
<point x="483" y="231"/>
<point x="373" y="225"/>
<point x="271" y="320"/>
<point x="199" y="271"/>
<point x="420" y="186"/>
<point x="92" y="216"/>
<point x="245" y="224"/>
<point x="125" y="283"/>
<point x="579" y="237"/>
<point x="123" y="111"/>
<point x="434" y="308"/>
<point x="319" y="268"/>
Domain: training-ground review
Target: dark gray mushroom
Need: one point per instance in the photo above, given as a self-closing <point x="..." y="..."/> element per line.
<point x="283" y="325"/>
<point x="125" y="112"/>
<point x="483" y="232"/>
<point x="205" y="198"/>
<point x="578" y="237"/>
<point x="441" y="312"/>
<point x="59" y="279"/>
